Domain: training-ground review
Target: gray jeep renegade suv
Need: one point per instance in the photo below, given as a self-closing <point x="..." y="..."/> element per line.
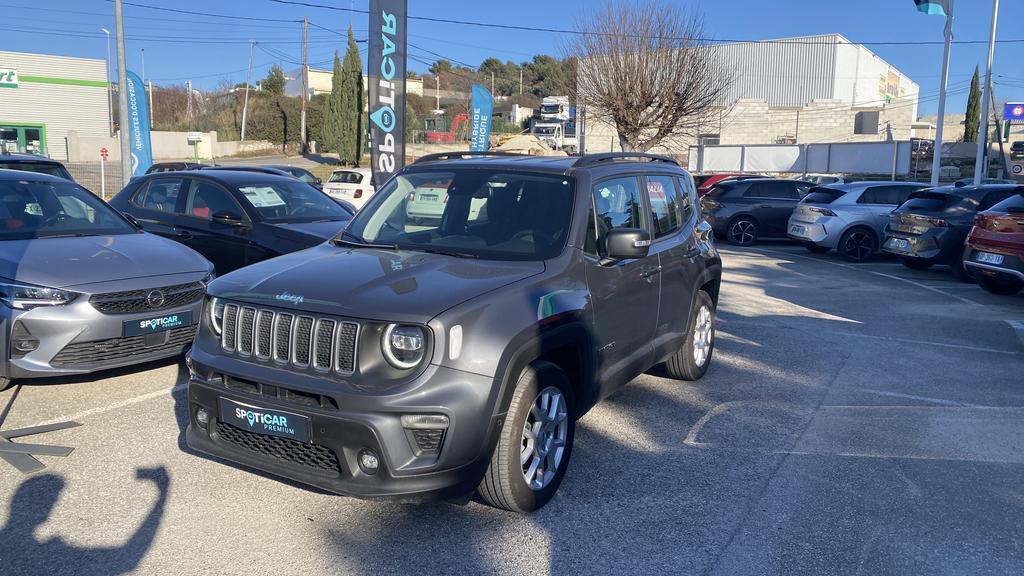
<point x="433" y="357"/>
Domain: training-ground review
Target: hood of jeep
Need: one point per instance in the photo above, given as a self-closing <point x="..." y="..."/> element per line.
<point x="373" y="284"/>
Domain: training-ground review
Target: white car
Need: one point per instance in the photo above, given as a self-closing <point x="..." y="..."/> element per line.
<point x="354" y="185"/>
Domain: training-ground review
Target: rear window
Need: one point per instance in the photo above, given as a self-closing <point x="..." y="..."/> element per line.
<point x="929" y="201"/>
<point x="821" y="195"/>
<point x="346" y="177"/>
<point x="1015" y="203"/>
<point x="39" y="167"/>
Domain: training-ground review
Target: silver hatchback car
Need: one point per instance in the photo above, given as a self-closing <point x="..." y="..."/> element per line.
<point x="82" y="288"/>
<point x="848" y="217"/>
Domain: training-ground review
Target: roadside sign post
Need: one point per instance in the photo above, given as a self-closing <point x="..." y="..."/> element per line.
<point x="103" y="173"/>
<point x="194" y="138"/>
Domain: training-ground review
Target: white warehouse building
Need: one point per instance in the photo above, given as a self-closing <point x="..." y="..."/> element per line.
<point x="798" y="90"/>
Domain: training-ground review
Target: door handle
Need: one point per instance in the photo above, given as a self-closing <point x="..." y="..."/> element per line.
<point x="185" y="235"/>
<point x="650" y="274"/>
<point x="765" y="206"/>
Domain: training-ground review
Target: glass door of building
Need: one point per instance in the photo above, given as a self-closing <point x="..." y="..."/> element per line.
<point x="22" y="138"/>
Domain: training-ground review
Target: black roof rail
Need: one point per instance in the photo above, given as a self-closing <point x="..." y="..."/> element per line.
<point x="461" y="155"/>
<point x="591" y="159"/>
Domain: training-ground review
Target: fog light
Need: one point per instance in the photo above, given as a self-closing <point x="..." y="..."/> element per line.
<point x="368" y="461"/>
<point x="22" y="341"/>
<point x="202" y="417"/>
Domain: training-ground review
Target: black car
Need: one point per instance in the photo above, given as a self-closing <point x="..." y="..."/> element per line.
<point x="741" y="211"/>
<point x="234" y="218"/>
<point x="1017" y="150"/>
<point x="32" y="163"/>
<point x="175" y="167"/>
<point x="300" y="173"/>
<point x="931" y="226"/>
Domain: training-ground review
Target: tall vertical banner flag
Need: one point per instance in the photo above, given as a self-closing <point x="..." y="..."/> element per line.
<point x="386" y="71"/>
<point x="935" y="7"/>
<point x="480" y="127"/>
<point x="138" y="125"/>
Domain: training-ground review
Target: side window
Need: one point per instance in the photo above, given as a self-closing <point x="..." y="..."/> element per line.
<point x="206" y="199"/>
<point x="689" y="197"/>
<point x="617" y="205"/>
<point x="776" y="190"/>
<point x="802" y="188"/>
<point x="869" y="196"/>
<point x="899" y="194"/>
<point x="666" y="205"/>
<point x="993" y="198"/>
<point x="161" y="194"/>
<point x="755" y="191"/>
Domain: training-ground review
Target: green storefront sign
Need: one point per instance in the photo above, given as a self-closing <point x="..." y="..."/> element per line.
<point x="8" y="78"/>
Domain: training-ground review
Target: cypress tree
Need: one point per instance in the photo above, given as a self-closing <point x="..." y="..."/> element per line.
<point x="332" y="115"/>
<point x="351" y="124"/>
<point x="973" y="120"/>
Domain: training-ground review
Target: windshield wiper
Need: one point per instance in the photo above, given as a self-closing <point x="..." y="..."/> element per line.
<point x="69" y="235"/>
<point x="446" y="252"/>
<point x="358" y="242"/>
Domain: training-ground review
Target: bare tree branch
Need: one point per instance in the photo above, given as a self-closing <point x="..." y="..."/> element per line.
<point x="646" y="70"/>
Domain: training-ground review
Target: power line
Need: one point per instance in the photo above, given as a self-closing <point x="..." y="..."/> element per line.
<point x="686" y="39"/>
<point x="212" y="15"/>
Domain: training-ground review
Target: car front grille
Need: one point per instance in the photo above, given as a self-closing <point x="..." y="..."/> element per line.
<point x="148" y="299"/>
<point x="312" y="456"/>
<point x="300" y="340"/>
<point x="96" y="354"/>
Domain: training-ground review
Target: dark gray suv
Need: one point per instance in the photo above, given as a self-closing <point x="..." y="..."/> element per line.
<point x="433" y="358"/>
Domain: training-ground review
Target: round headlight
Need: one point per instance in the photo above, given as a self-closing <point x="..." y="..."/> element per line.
<point x="216" y="307"/>
<point x="403" y="345"/>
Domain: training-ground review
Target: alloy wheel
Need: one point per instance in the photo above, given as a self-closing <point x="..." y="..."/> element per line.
<point x="544" y="436"/>
<point x="702" y="336"/>
<point x="743" y="232"/>
<point x="859" y="246"/>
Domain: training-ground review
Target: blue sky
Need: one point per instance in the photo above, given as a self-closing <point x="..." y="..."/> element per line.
<point x="209" y="50"/>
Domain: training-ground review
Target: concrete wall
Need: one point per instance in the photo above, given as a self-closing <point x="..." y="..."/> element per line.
<point x="166" y="146"/>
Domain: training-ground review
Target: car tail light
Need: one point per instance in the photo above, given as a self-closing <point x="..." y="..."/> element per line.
<point x="411" y="197"/>
<point x="937" y="222"/>
<point x="822" y="211"/>
<point x="358" y="194"/>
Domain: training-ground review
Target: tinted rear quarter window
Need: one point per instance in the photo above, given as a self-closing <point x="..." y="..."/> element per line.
<point x="776" y="190"/>
<point x="929" y="201"/>
<point x="821" y="195"/>
<point x="1015" y="202"/>
<point x="993" y="198"/>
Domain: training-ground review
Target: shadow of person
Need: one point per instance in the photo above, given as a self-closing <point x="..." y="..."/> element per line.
<point x="34" y="501"/>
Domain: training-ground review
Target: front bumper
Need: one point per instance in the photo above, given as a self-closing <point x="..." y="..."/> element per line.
<point x="78" y="339"/>
<point x="344" y="422"/>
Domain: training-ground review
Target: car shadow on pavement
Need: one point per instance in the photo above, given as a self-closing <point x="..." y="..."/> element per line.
<point x="32" y="505"/>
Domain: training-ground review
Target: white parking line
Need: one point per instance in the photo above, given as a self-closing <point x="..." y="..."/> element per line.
<point x="882" y="274"/>
<point x="116" y="405"/>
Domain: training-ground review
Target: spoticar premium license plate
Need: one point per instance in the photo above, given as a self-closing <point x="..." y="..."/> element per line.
<point x="264" y="420"/>
<point x="157" y="323"/>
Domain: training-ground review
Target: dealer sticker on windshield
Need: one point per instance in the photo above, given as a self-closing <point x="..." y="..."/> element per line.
<point x="157" y="323"/>
<point x="264" y="421"/>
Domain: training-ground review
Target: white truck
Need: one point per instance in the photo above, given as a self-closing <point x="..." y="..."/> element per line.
<point x="555" y="136"/>
<point x="554" y="109"/>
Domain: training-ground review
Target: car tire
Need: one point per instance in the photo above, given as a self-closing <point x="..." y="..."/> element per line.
<point x="916" y="263"/>
<point x="505" y="483"/>
<point x="1000" y="286"/>
<point x="692" y="360"/>
<point x="815" y="249"/>
<point x="857" y="245"/>
<point x="742" y="231"/>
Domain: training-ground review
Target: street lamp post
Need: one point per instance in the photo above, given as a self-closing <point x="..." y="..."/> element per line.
<point x="110" y="89"/>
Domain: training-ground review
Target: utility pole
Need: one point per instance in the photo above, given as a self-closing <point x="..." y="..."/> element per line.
<point x="999" y="132"/>
<point x="248" y="80"/>
<point x="110" y="89"/>
<point x="150" y="104"/>
<point x="939" y="121"/>
<point x="188" y="112"/>
<point x="122" y="96"/>
<point x="437" y="92"/>
<point x="492" y="82"/>
<point x="980" y="160"/>
<point x="143" y="50"/>
<point x="520" y="80"/>
<point x="305" y="85"/>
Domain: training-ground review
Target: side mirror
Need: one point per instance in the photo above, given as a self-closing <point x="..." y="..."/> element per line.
<point x="131" y="219"/>
<point x="627" y="243"/>
<point x="227" y="218"/>
<point x="318" y="181"/>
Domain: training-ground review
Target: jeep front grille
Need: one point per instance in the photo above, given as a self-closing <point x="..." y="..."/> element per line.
<point x="323" y="344"/>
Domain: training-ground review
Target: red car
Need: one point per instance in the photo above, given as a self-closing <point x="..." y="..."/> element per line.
<point x="706" y="182"/>
<point x="994" y="250"/>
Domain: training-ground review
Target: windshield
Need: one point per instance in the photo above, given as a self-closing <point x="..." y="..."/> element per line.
<point x="550" y="108"/>
<point x="285" y="201"/>
<point x="346" y="177"/>
<point x="472" y="213"/>
<point x="41" y="209"/>
<point x="40" y="167"/>
<point x="544" y="130"/>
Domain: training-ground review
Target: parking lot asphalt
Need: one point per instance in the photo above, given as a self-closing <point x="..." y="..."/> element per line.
<point x="857" y="419"/>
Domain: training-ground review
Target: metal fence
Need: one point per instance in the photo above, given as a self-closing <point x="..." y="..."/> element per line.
<point x="102" y="179"/>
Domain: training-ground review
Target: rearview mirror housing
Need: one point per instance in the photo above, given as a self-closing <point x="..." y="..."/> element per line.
<point x="627" y="243"/>
<point x="228" y="218"/>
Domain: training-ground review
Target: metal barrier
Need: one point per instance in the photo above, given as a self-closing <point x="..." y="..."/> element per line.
<point x="101" y="178"/>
